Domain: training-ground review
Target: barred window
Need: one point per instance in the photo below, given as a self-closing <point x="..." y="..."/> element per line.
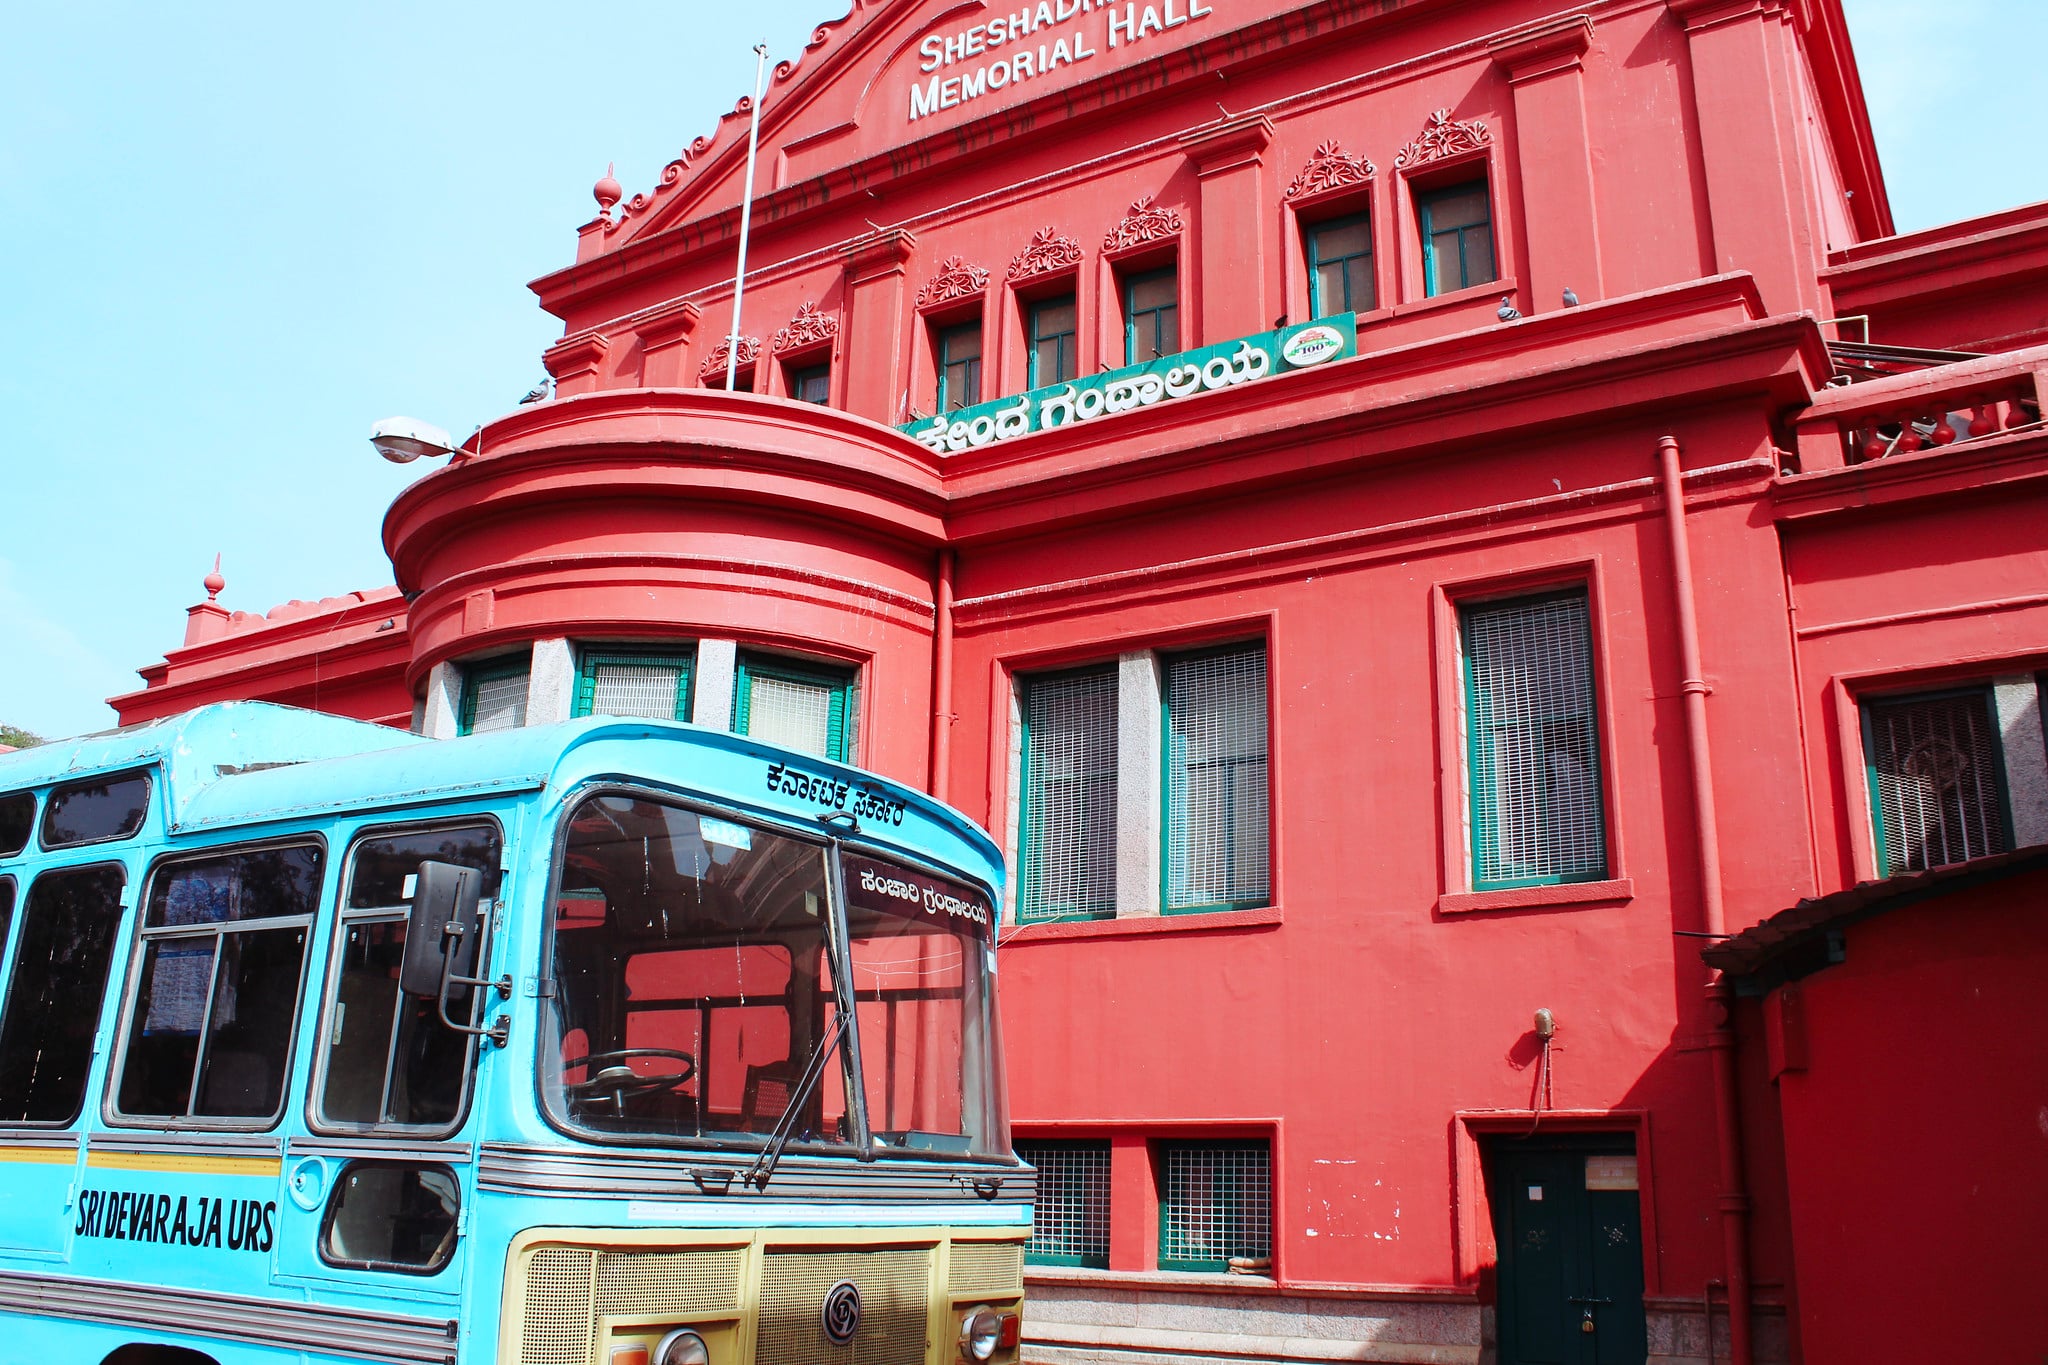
<point x="1069" y="779"/>
<point x="1537" y="810"/>
<point x="494" y="696"/>
<point x="1070" y="1224"/>
<point x="1217" y="1206"/>
<point x="1937" y="779"/>
<point x="799" y="706"/>
<point x="623" y="682"/>
<point x="1217" y="832"/>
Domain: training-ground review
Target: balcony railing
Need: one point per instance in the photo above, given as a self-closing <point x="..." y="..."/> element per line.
<point x="1903" y="414"/>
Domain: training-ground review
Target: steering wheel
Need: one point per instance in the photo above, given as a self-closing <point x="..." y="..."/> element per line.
<point x="609" y="1076"/>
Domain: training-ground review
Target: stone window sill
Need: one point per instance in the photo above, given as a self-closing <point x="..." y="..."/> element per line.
<point x="1618" y="891"/>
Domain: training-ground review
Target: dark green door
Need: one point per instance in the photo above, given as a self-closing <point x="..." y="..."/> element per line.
<point x="1570" y="1235"/>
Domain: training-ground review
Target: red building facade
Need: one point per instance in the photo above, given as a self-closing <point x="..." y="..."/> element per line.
<point x="1376" y="727"/>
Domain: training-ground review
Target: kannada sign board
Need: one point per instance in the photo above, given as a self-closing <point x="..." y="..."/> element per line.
<point x="1225" y="365"/>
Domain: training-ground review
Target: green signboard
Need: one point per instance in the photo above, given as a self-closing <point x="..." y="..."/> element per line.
<point x="1165" y="380"/>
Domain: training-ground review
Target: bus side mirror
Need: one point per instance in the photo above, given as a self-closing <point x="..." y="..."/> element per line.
<point x="441" y="931"/>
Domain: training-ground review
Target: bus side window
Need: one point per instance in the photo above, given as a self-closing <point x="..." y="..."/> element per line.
<point x="223" y="959"/>
<point x="54" y="996"/>
<point x="387" y="1061"/>
<point x="387" y="1215"/>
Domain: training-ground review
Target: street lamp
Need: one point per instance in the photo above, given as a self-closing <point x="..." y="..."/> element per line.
<point x="402" y="440"/>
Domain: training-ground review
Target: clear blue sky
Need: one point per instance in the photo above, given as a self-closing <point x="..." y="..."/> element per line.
<point x="237" y="234"/>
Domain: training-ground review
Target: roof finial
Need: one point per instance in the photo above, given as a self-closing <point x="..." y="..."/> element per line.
<point x="213" y="582"/>
<point x="606" y="191"/>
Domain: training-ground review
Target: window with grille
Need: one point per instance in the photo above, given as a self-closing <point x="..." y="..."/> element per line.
<point x="799" y="706"/>
<point x="1216" y="826"/>
<point x="1340" y="266"/>
<point x="1070" y="1223"/>
<point x="1069" y="780"/>
<point x="1151" y="315"/>
<point x="646" y="683"/>
<point x="1054" y="357"/>
<point x="1457" y="237"/>
<point x="494" y="696"/>
<point x="1537" y="812"/>
<point x="958" y="350"/>
<point x="1937" y="779"/>
<point x="1216" y="1205"/>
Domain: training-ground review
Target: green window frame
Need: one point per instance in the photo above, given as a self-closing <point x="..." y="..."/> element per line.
<point x="811" y="383"/>
<point x="835" y="683"/>
<point x="958" y="349"/>
<point x="1151" y="314"/>
<point x="1067" y="785"/>
<point x="1935" y="762"/>
<point x="480" y="683"/>
<point x="1533" y="745"/>
<point x="1053" y="356"/>
<point x="1070" y="1223"/>
<point x="1213" y="706"/>
<point x="1456" y="223"/>
<point x="655" y="683"/>
<point x="1340" y="266"/>
<point x="1216" y="1205"/>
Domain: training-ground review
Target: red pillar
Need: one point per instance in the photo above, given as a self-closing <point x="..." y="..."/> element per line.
<point x="1544" y="65"/>
<point x="1229" y="158"/>
<point x="876" y="314"/>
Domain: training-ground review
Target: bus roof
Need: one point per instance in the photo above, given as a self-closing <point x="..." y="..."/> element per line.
<point x="249" y="763"/>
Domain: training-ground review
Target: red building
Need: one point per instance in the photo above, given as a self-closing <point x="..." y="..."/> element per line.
<point x="1381" y="714"/>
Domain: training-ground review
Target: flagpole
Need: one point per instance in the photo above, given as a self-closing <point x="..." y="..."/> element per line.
<point x="739" y="278"/>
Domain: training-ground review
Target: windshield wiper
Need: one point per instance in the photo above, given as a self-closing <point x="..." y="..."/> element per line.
<point x="764" y="1165"/>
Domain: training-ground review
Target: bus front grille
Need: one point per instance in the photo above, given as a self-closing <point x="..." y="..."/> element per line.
<point x="895" y="1301"/>
<point x="569" y="1288"/>
<point x="988" y="1270"/>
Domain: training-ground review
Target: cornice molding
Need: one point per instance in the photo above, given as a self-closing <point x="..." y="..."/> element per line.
<point x="1443" y="137"/>
<point x="808" y="328"/>
<point x="1330" y="170"/>
<point x="750" y="351"/>
<point x="957" y="279"/>
<point x="1146" y="223"/>
<point x="1050" y="251"/>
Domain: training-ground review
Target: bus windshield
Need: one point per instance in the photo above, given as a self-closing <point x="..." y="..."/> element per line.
<point x="694" y="983"/>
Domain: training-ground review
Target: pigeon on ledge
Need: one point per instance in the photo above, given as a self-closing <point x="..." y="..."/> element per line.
<point x="537" y="394"/>
<point x="1508" y="312"/>
<point x="1571" y="300"/>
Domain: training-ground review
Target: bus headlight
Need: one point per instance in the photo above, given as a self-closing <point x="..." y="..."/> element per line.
<point x="979" y="1332"/>
<point x="682" y="1347"/>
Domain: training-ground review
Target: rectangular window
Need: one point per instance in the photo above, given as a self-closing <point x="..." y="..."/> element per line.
<point x="959" y="355"/>
<point x="386" y="1060"/>
<point x="55" y="993"/>
<point x="1937" y="779"/>
<point x="811" y="384"/>
<point x="805" y="707"/>
<point x="494" y="696"/>
<point x="1151" y="315"/>
<point x="1055" y="332"/>
<point x="95" y="811"/>
<point x="1457" y="237"/>
<point x="1340" y="266"/>
<point x="1537" y="812"/>
<point x="1216" y="1208"/>
<point x="1070" y="1223"/>
<point x="17" y="821"/>
<point x="1068" y="824"/>
<point x="1216" y="825"/>
<point x="625" y="682"/>
<point x="223" y="958"/>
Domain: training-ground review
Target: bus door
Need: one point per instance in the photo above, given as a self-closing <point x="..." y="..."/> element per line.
<point x="375" y="1196"/>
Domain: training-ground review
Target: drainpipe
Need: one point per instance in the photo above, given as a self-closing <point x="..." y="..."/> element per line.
<point x="942" y="676"/>
<point x="1734" y="1197"/>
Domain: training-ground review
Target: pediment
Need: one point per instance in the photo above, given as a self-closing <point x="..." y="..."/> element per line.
<point x="891" y="73"/>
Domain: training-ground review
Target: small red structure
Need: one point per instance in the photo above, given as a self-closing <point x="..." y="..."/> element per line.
<point x="1361" y="500"/>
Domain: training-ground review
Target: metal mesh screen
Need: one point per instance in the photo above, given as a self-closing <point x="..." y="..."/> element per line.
<point x="795" y="714"/>
<point x="555" y="1326"/>
<point x="894" y="1301"/>
<point x="1218" y="1204"/>
<point x="1070" y="1224"/>
<point x="1216" y="735"/>
<point x="1536" y="806"/>
<point x="1939" y="777"/>
<point x="646" y="1282"/>
<point x="497" y="701"/>
<point x="1070" y="796"/>
<point x="987" y="1270"/>
<point x="653" y="688"/>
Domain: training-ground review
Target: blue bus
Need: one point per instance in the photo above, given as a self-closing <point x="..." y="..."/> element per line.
<point x="604" y="1043"/>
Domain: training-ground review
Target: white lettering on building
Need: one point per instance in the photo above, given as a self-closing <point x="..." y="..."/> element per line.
<point x="1124" y="23"/>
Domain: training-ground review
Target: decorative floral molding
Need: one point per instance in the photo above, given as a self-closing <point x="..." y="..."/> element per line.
<point x="1331" y="168"/>
<point x="808" y="328"/>
<point x="750" y="351"/>
<point x="1050" y="250"/>
<point x="1439" y="138"/>
<point x="1146" y="222"/>
<point x="956" y="280"/>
